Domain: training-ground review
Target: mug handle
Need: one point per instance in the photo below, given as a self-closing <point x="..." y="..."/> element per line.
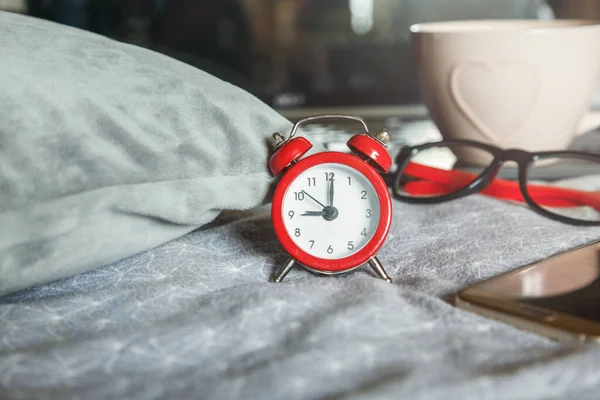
<point x="589" y="122"/>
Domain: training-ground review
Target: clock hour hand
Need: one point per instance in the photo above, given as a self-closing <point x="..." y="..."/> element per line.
<point x="321" y="204"/>
<point x="313" y="213"/>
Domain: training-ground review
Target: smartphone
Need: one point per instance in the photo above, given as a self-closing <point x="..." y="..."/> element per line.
<point x="558" y="297"/>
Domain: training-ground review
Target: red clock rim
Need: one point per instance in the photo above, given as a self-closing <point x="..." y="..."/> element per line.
<point x="356" y="259"/>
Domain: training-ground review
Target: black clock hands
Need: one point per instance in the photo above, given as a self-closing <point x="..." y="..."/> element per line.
<point x="329" y="213"/>
<point x="331" y="192"/>
<point x="313" y="213"/>
<point x="321" y="204"/>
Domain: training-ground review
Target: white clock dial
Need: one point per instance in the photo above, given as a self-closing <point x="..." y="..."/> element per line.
<point x="331" y="230"/>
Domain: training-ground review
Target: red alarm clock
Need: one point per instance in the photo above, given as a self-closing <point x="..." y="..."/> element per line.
<point x="331" y="211"/>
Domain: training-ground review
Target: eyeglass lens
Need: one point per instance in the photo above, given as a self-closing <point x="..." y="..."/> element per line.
<point x="441" y="170"/>
<point x="566" y="186"/>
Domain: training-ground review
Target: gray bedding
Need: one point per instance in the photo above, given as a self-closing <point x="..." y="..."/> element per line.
<point x="197" y="318"/>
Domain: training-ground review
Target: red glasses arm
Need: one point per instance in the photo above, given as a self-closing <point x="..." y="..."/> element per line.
<point x="438" y="181"/>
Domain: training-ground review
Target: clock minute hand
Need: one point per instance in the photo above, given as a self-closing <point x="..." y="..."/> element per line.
<point x="321" y="204"/>
<point x="331" y="192"/>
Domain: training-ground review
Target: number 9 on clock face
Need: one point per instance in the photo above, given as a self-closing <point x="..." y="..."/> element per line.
<point x="331" y="211"/>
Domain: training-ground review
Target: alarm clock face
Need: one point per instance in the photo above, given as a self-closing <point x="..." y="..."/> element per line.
<point x="331" y="211"/>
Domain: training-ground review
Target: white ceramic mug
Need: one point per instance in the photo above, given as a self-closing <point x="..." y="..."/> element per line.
<point x="512" y="83"/>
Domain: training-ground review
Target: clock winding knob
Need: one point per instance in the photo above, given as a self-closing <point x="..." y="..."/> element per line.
<point x="383" y="136"/>
<point x="277" y="140"/>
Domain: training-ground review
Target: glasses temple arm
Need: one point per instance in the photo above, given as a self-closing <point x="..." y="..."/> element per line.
<point x="452" y="180"/>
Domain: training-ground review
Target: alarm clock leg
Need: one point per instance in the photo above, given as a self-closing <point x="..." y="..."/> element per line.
<point x="378" y="268"/>
<point x="283" y="271"/>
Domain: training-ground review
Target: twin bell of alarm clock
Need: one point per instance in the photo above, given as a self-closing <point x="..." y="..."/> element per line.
<point x="331" y="210"/>
<point x="371" y="148"/>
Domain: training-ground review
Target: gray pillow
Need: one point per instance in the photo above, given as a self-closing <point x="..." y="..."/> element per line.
<point x="107" y="149"/>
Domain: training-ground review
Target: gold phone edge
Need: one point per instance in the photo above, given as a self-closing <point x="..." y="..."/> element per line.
<point x="560" y="326"/>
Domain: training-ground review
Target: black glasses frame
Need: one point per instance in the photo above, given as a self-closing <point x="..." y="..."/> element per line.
<point x="523" y="158"/>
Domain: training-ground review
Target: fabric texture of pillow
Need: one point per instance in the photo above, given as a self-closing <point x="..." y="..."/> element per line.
<point x="108" y="149"/>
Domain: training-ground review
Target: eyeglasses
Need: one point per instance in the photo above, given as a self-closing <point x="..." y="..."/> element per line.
<point x="561" y="185"/>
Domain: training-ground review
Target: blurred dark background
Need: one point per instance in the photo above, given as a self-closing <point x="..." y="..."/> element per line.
<point x="290" y="53"/>
<point x="299" y="56"/>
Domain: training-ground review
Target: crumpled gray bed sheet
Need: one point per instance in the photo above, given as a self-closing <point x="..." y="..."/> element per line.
<point x="197" y="318"/>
